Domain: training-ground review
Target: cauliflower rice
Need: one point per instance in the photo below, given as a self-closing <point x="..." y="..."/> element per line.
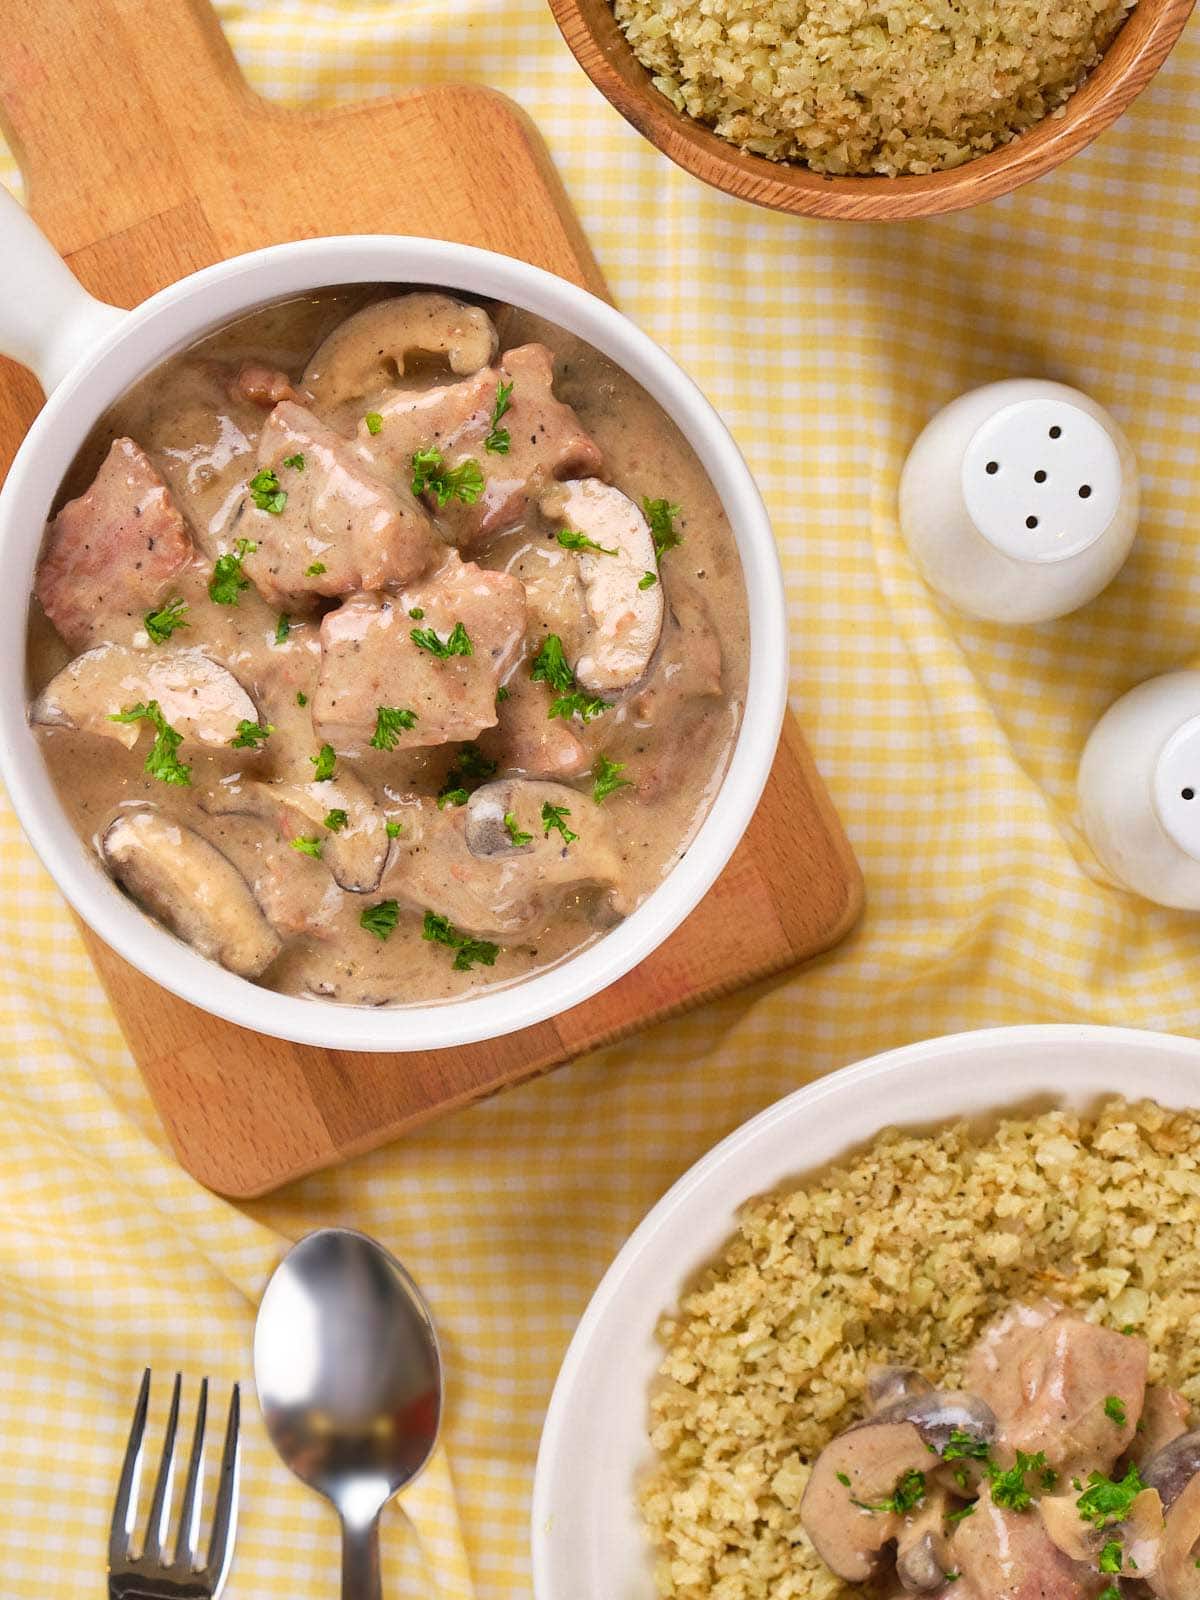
<point x="846" y="86"/>
<point x="902" y="1255"/>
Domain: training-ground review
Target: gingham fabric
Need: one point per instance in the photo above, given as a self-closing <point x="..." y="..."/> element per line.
<point x="950" y="748"/>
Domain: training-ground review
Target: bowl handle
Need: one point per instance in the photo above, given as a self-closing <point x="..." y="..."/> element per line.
<point x="48" y="321"/>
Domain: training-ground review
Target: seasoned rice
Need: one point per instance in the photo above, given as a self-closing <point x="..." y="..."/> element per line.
<point x="902" y="1255"/>
<point x="848" y="86"/>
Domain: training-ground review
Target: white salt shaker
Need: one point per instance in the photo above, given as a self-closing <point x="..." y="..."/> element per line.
<point x="1139" y="790"/>
<point x="1019" y="501"/>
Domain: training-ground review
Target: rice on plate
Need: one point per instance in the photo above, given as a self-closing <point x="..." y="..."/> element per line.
<point x="902" y="1255"/>
<point x="848" y="87"/>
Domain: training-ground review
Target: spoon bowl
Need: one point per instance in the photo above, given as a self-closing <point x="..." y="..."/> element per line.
<point x="349" y="1378"/>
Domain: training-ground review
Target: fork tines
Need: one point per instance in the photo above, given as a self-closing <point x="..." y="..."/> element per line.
<point x="177" y="1570"/>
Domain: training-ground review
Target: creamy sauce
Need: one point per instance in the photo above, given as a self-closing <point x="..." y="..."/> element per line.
<point x="673" y="728"/>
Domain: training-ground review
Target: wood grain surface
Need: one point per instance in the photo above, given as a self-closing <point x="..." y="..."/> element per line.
<point x="146" y="156"/>
<point x="1140" y="48"/>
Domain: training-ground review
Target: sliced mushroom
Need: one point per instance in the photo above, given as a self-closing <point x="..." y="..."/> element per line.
<point x="1068" y="1531"/>
<point x="941" y="1413"/>
<point x="371" y="349"/>
<point x="888" y="1386"/>
<point x="626" y="616"/>
<point x="1165" y="1417"/>
<point x="856" y="1471"/>
<point x="1177" y="1576"/>
<point x="921" y="1563"/>
<point x="355" y="854"/>
<point x="201" y="700"/>
<point x="187" y="884"/>
<point x="1173" y="1467"/>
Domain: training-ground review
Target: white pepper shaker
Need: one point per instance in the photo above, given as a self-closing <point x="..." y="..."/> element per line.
<point x="1139" y="790"/>
<point x="1019" y="501"/>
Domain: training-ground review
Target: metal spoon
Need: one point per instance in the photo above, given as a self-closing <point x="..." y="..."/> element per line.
<point x="349" y="1380"/>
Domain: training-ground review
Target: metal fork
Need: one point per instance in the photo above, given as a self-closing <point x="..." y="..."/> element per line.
<point x="153" y="1574"/>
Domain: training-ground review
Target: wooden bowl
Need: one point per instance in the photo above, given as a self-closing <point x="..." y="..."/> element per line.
<point x="1135" y="55"/>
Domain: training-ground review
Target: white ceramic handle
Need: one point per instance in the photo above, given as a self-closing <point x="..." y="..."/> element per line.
<point x="47" y="319"/>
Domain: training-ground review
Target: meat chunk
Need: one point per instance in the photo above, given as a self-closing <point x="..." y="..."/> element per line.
<point x="340" y="529"/>
<point x="546" y="441"/>
<point x="993" y="1366"/>
<point x="261" y="385"/>
<point x="112" y="553"/>
<point x="1008" y="1555"/>
<point x="201" y="699"/>
<point x="1078" y="1393"/>
<point x="370" y="659"/>
<point x="191" y="887"/>
<point x="1166" y="1416"/>
<point x="527" y="741"/>
<point x="464" y="863"/>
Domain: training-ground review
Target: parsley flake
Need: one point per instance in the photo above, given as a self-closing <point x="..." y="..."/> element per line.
<point x="661" y="514"/>
<point x="228" y="580"/>
<point x="570" y="540"/>
<point x="380" y="919"/>
<point x="577" y="704"/>
<point x="323" y="762"/>
<point x="335" y="820"/>
<point x="296" y="462"/>
<point x="905" y="1497"/>
<point x="606" y="778"/>
<point x="1105" y="1500"/>
<point x="315" y="571"/>
<point x="647" y="580"/>
<point x="251" y="735"/>
<point x="498" y="439"/>
<point x="160" y="625"/>
<point x="282" y="628"/>
<point x="1114" y="1409"/>
<point x="552" y="817"/>
<point x="456" y="643"/>
<point x="394" y="829"/>
<point x="308" y="847"/>
<point x="431" y="475"/>
<point x="955" y="1517"/>
<point x="266" y="493"/>
<point x="843" y="1478"/>
<point x="440" y="930"/>
<point x="964" y="1446"/>
<point x="374" y="422"/>
<point x="452" y="797"/>
<point x="1110" y="1556"/>
<point x="550" y="665"/>
<point x="389" y="720"/>
<point x="1009" y="1488"/>
<point x="514" y="832"/>
<point x="417" y="613"/>
<point x="301" y="698"/>
<point x="161" y="762"/>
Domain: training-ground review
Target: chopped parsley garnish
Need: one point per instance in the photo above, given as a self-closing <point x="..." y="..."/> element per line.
<point x="417" y="613"/>
<point x="661" y="514"/>
<point x="323" y="762"/>
<point x="251" y="735"/>
<point x="456" y="643"/>
<point x="606" y="778"/>
<point x="498" y="439"/>
<point x="1110" y="1556"/>
<point x="266" y="492"/>
<point x="308" y="847"/>
<point x="431" y="475"/>
<point x="905" y="1497"/>
<point x="514" y="832"/>
<point x="315" y="571"/>
<point x="1105" y="1500"/>
<point x="552" y="817"/>
<point x="228" y="580"/>
<point x="955" y="1517"/>
<point x="550" y="665"/>
<point x="380" y="919"/>
<point x="578" y="704"/>
<point x="301" y="698"/>
<point x="843" y="1478"/>
<point x="1114" y="1409"/>
<point x="501" y="695"/>
<point x="440" y="930"/>
<point x="570" y="540"/>
<point x="161" y="762"/>
<point x="1009" y="1488"/>
<point x="374" y="422"/>
<point x="470" y="766"/>
<point x="389" y="720"/>
<point x="394" y="829"/>
<point x="160" y="625"/>
<point x="647" y="580"/>
<point x="282" y="628"/>
<point x="296" y="462"/>
<point x="1111" y="1591"/>
<point x="964" y="1446"/>
<point x="335" y="820"/>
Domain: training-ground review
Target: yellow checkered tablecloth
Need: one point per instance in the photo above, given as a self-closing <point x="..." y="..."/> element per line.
<point x="950" y="748"/>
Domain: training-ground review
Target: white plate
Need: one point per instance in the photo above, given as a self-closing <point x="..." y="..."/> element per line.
<point x="588" y="1543"/>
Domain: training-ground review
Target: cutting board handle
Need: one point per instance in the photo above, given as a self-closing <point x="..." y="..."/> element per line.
<point x="101" y="101"/>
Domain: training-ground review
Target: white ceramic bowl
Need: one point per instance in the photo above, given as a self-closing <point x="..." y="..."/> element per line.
<point x="588" y="1543"/>
<point x="87" y="354"/>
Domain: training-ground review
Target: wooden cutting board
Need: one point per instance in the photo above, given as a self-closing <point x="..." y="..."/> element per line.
<point x="147" y="156"/>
